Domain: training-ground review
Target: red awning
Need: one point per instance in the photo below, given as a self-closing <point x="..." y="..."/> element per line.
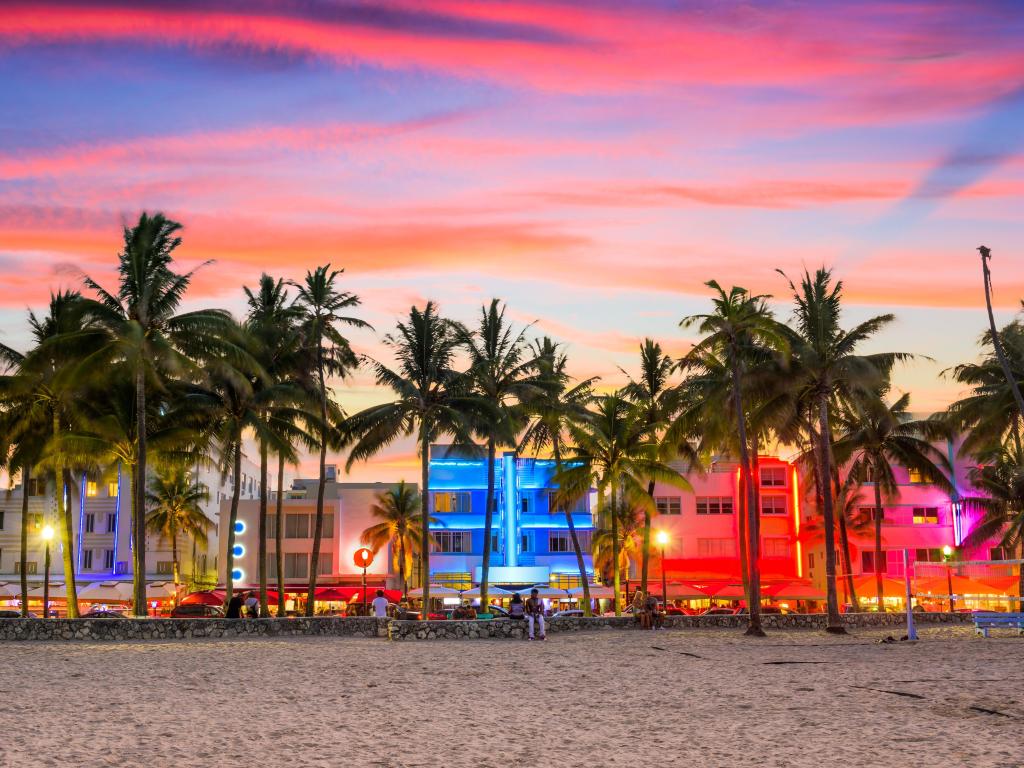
<point x="210" y="597"/>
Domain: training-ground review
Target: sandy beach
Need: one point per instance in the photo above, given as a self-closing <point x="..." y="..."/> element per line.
<point x="707" y="698"/>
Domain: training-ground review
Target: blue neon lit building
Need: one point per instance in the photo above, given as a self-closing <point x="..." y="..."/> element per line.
<point x="530" y="542"/>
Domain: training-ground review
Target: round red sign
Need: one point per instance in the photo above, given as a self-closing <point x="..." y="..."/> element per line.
<point x="363" y="557"/>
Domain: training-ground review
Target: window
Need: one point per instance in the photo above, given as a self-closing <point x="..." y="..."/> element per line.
<point x="296" y="565"/>
<point x="524" y="505"/>
<point x="867" y="562"/>
<point x="296" y="526"/>
<point x="714" y="505"/>
<point x="86" y="559"/>
<point x="527" y="542"/>
<point x="324" y="566"/>
<point x="328" y="532"/>
<point x="30" y="566"/>
<point x="92" y="488"/>
<point x="272" y="526"/>
<point x="565" y="580"/>
<point x="36" y="487"/>
<point x="272" y="565"/>
<point x="90" y="522"/>
<point x="495" y="543"/>
<point x="112" y="489"/>
<point x="578" y="507"/>
<point x="997" y="553"/>
<point x="773" y="477"/>
<point x="453" y="580"/>
<point x="111" y="522"/>
<point x="165" y="566"/>
<point x="1" y="519"/>
<point x="810" y="560"/>
<point x="773" y="504"/>
<point x="716" y="548"/>
<point x="928" y="555"/>
<point x="868" y="513"/>
<point x="561" y="541"/>
<point x="776" y="546"/>
<point x="449" y="502"/>
<point x="926" y="515"/>
<point x="35" y="521"/>
<point x="669" y="505"/>
<point x="915" y="476"/>
<point x="108" y="559"/>
<point x="453" y="542"/>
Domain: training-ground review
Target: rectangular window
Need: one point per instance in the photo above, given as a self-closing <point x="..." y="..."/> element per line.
<point x="108" y="559"/>
<point x="867" y="562"/>
<point x="915" y="476"/>
<point x="112" y="489"/>
<point x="810" y="560"/>
<point x="296" y="565"/>
<point x="30" y="566"/>
<point x="328" y="532"/>
<point x="448" y="502"/>
<point x="325" y="565"/>
<point x="37" y="486"/>
<point x="776" y="546"/>
<point x="773" y="477"/>
<point x="90" y="522"/>
<point x="926" y="515"/>
<point x="997" y="553"/>
<point x="495" y="543"/>
<point x="527" y="542"/>
<point x="714" y="505"/>
<point x="453" y="580"/>
<point x="165" y="566"/>
<point x="92" y="488"/>
<point x="272" y="566"/>
<point x="773" y="504"/>
<point x="453" y="542"/>
<point x="578" y="507"/>
<point x="565" y="580"/>
<point x="296" y="526"/>
<point x="928" y="555"/>
<point x="716" y="548"/>
<point x="86" y="559"/>
<point x="272" y="526"/>
<point x="1" y="519"/>
<point x="561" y="541"/>
<point x="669" y="505"/>
<point x="111" y="522"/>
<point x="35" y="521"/>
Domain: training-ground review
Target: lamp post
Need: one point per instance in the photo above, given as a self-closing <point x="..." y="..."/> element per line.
<point x="947" y="554"/>
<point x="662" y="538"/>
<point x="47" y="534"/>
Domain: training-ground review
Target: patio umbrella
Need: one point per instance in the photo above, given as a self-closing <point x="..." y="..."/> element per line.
<point x="106" y="592"/>
<point x="799" y="590"/>
<point x="689" y="590"/>
<point x="939" y="585"/>
<point x="1003" y="585"/>
<point x="543" y="590"/>
<point x="355" y="594"/>
<point x="57" y="591"/>
<point x="159" y="590"/>
<point x="491" y="592"/>
<point x="596" y="591"/>
<point x="736" y="591"/>
<point x="436" y="590"/>
<point x="209" y="597"/>
<point x="865" y="586"/>
<point x="10" y="590"/>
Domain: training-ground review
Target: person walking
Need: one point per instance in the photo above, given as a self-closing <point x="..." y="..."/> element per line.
<point x="234" y="607"/>
<point x="252" y="606"/>
<point x="380" y="605"/>
<point x="535" y="614"/>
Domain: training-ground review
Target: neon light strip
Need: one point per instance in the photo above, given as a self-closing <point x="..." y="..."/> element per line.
<point x="81" y="518"/>
<point x="796" y="524"/>
<point x="117" y="518"/>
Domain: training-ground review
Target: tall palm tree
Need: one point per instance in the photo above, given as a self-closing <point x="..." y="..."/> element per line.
<point x="559" y="404"/>
<point x="503" y="376"/>
<point x="1001" y="499"/>
<point x="659" y="401"/>
<point x="616" y="545"/>
<point x="175" y="510"/>
<point x="1011" y="378"/>
<point x="430" y="400"/>
<point x="740" y="322"/>
<point x="874" y="437"/>
<point x="149" y="340"/>
<point x="398" y="510"/>
<point x="613" y="451"/>
<point x="826" y="366"/>
<point x="322" y="306"/>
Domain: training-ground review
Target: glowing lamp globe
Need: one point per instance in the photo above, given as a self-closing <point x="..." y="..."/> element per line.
<point x="47" y="533"/>
<point x="661" y="537"/>
<point x="362" y="557"/>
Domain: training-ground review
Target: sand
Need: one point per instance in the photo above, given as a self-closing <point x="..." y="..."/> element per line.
<point x="695" y="698"/>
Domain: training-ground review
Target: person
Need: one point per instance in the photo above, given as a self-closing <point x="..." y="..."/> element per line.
<point x="517" y="609"/>
<point x="640" y="612"/>
<point x="234" y="607"/>
<point x="252" y="606"/>
<point x="468" y="611"/>
<point x="654" y="620"/>
<point x="535" y="613"/>
<point x="380" y="605"/>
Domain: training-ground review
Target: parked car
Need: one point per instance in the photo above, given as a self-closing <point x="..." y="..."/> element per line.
<point x="719" y="612"/>
<point x="197" y="611"/>
<point x="103" y="614"/>
<point x="5" y="614"/>
<point x="569" y="613"/>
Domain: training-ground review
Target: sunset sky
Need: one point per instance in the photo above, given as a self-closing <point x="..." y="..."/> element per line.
<point x="590" y="163"/>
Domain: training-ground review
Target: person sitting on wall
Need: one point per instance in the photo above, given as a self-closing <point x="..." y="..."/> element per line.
<point x="640" y="612"/>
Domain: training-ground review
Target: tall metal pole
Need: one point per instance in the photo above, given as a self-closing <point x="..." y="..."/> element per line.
<point x="46" y="582"/>
<point x="911" y="630"/>
<point x="364" y="592"/>
<point x="664" y="587"/>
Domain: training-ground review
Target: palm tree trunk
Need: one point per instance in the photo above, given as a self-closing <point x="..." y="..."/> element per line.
<point x="1003" y="362"/>
<point x="488" y="522"/>
<point x="425" y="518"/>
<point x="616" y="570"/>
<point x="584" y="581"/>
<point x="67" y="531"/>
<point x="878" y="539"/>
<point x="645" y="554"/>
<point x="754" y="586"/>
<point x="834" y="621"/>
<point x="741" y="532"/>
<point x="236" y="492"/>
<point x="138" y="608"/>
<point x="26" y="473"/>
<point x="844" y="540"/>
<point x="318" y="528"/>
<point x="174" y="564"/>
<point x="261" y="568"/>
<point x="139" y="494"/>
<point x="279" y="536"/>
<point x="754" y="516"/>
<point x="401" y="565"/>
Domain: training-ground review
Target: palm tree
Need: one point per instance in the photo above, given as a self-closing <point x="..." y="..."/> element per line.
<point x="659" y="402"/>
<point x="874" y="437"/>
<point x="826" y="366"/>
<point x="149" y="340"/>
<point x="1011" y="378"/>
<point x="398" y="510"/>
<point x="613" y="450"/>
<point x="559" y="404"/>
<point x="321" y="304"/>
<point x="174" y="510"/>
<point x="430" y="401"/>
<point x="740" y="322"/>
<point x="615" y="546"/>
<point x="1001" y="499"/>
<point x="503" y="375"/>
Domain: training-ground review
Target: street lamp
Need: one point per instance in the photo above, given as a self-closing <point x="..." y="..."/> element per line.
<point x="947" y="555"/>
<point x="661" y="537"/>
<point x="47" y="534"/>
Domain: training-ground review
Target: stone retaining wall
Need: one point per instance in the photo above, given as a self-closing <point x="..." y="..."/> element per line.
<point x="336" y="626"/>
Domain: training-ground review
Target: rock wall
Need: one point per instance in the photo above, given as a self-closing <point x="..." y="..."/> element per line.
<point x="183" y="629"/>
